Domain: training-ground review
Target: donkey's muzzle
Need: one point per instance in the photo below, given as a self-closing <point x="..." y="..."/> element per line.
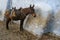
<point x="34" y="15"/>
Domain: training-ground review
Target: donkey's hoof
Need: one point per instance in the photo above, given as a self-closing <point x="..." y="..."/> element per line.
<point x="7" y="28"/>
<point x="21" y="29"/>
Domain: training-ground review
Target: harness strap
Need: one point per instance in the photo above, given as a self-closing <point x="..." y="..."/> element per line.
<point x="13" y="13"/>
<point x="22" y="12"/>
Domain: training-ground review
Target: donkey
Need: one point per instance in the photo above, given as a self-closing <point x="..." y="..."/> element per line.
<point x="20" y="14"/>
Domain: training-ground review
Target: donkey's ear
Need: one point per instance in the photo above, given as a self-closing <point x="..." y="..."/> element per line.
<point x="33" y="6"/>
<point x="30" y="5"/>
<point x="20" y="8"/>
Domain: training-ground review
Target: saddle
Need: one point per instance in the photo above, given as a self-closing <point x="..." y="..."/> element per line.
<point x="13" y="13"/>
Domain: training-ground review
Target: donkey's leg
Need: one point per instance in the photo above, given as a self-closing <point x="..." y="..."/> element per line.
<point x="21" y="25"/>
<point x="4" y="18"/>
<point x="7" y="22"/>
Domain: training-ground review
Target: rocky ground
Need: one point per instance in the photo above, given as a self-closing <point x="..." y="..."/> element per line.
<point x="15" y="34"/>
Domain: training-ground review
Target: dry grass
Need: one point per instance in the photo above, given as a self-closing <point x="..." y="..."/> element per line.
<point x="15" y="34"/>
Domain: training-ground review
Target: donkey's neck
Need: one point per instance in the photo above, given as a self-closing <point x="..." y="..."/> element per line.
<point x="27" y="14"/>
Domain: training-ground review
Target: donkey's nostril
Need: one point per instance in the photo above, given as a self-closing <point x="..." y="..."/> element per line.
<point x="35" y="16"/>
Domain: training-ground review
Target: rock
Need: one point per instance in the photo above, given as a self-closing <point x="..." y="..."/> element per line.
<point x="36" y="25"/>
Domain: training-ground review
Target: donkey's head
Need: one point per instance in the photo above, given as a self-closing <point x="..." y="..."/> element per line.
<point x="32" y="11"/>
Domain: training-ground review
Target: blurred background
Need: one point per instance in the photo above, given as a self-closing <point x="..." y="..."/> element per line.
<point x="49" y="9"/>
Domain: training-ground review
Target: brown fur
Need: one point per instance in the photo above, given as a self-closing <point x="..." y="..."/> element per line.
<point x="19" y="14"/>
